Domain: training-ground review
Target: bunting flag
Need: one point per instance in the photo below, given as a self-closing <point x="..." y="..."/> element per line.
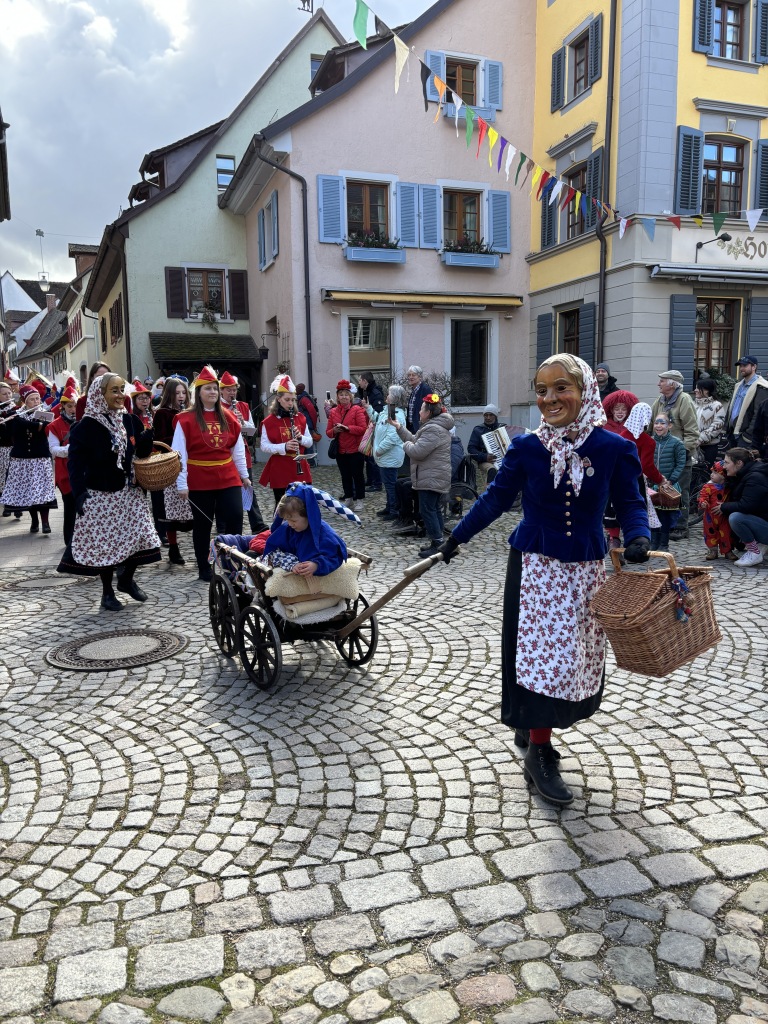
<point x="649" y="224"/>
<point x="458" y="103"/>
<point x="698" y="220"/>
<point x="511" y="153"/>
<point x="559" y="186"/>
<point x="441" y="87"/>
<point x="675" y="221"/>
<point x="545" y="176"/>
<point x="360" y="24"/>
<point x="502" y="146"/>
<point x="401" y="59"/>
<point x="426" y="74"/>
<point x="482" y="128"/>
<point x="718" y="219"/>
<point x="622" y="226"/>
<point x="753" y="216"/>
<point x="523" y="158"/>
<point x="493" y="138"/>
<point x="537" y="173"/>
<point x="529" y="165"/>
<point x="470" y="116"/>
<point x="570" y="193"/>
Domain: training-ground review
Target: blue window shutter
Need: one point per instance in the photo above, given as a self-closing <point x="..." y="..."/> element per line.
<point x="431" y="219"/>
<point x="689" y="171"/>
<point x="587" y="319"/>
<point x="548" y="223"/>
<point x="500" y="221"/>
<point x="544" y="325"/>
<point x="595" y="49"/>
<point x="558" y="79"/>
<point x="435" y="61"/>
<point x="757" y="336"/>
<point x="761" y="184"/>
<point x="494" y="84"/>
<point x="262" y="240"/>
<point x="703" y="25"/>
<point x="594" y="185"/>
<point x="330" y="195"/>
<point x="408" y="214"/>
<point x="761" y="33"/>
<point x="682" y="336"/>
<point x="275" y="240"/>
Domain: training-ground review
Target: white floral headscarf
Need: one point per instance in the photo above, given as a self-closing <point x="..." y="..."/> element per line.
<point x="562" y="442"/>
<point x="96" y="407"/>
<point x="638" y="419"/>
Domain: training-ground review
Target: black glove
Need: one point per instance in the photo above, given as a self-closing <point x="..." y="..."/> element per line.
<point x="449" y="548"/>
<point x="80" y="502"/>
<point x="637" y="550"/>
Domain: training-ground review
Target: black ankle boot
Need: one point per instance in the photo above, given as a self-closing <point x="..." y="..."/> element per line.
<point x="110" y="603"/>
<point x="542" y="773"/>
<point x="523" y="738"/>
<point x="132" y="589"/>
<point x="174" y="555"/>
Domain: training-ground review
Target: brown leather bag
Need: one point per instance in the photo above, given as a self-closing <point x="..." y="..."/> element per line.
<point x="667" y="496"/>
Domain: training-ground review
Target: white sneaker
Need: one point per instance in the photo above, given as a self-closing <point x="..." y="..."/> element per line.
<point x="763" y="548"/>
<point x="360" y="505"/>
<point x="750" y="558"/>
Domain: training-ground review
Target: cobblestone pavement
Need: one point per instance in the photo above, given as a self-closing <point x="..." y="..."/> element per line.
<point x="359" y="844"/>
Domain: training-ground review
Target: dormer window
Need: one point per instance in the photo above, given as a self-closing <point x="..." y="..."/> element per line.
<point x="225" y="171"/>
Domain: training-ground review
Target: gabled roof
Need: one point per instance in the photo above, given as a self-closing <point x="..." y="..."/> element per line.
<point x="326" y="75"/>
<point x="76" y="249"/>
<point x="150" y="157"/>
<point x="20" y="316"/>
<point x="74" y="290"/>
<point x="46" y="337"/>
<point x="34" y="291"/>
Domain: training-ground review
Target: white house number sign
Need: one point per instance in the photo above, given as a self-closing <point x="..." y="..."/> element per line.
<point x="747" y="247"/>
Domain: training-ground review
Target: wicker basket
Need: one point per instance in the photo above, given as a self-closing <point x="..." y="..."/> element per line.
<point x="637" y="612"/>
<point x="159" y="470"/>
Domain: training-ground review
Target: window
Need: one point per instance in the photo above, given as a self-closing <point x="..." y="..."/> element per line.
<point x="569" y="332"/>
<point x="461" y="79"/>
<point x="584" y="58"/>
<point x="59" y="361"/>
<point x="116" y="320"/>
<point x="723" y="174"/>
<point x="469" y="362"/>
<point x="576" y="179"/>
<point x="268" y="232"/>
<point x="370" y="345"/>
<point x="314" y="65"/>
<point x="580" y="63"/>
<point x="205" y="288"/>
<point x="225" y="170"/>
<point x="715" y="319"/>
<point x="367" y="209"/>
<point x="728" y="30"/>
<point x="75" y="329"/>
<point x="461" y="216"/>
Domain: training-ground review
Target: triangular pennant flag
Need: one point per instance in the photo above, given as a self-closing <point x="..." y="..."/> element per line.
<point x="528" y="168"/>
<point x="470" y="116"/>
<point x="441" y="87"/>
<point x="649" y="224"/>
<point x="549" y="187"/>
<point x="622" y="226"/>
<point x="503" y="143"/>
<point x="675" y="221"/>
<point x="753" y="216"/>
<point x="458" y="103"/>
<point x="482" y="128"/>
<point x="577" y="200"/>
<point x="401" y="58"/>
<point x="718" y="219"/>
<point x="584" y="207"/>
<point x="559" y="186"/>
<point x="493" y="138"/>
<point x="360" y="23"/>
<point x="537" y="173"/>
<point x="426" y="74"/>
<point x="511" y="153"/>
<point x="570" y="193"/>
<point x="545" y="176"/>
<point x="698" y="220"/>
<point x="523" y="158"/>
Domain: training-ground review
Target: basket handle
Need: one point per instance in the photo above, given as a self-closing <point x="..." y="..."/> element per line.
<point x="160" y="444"/>
<point x="673" y="569"/>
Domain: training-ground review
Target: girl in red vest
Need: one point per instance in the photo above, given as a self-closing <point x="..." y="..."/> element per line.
<point x="213" y="469"/>
<point x="284" y="435"/>
<point x="58" y="445"/>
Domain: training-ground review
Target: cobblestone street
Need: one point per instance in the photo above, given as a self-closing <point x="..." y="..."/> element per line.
<point x="358" y="844"/>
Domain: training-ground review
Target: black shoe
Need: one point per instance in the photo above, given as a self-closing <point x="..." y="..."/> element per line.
<point x="429" y="550"/>
<point x="523" y="738"/>
<point x="206" y="575"/>
<point x="17" y="514"/>
<point x="7" y="513"/>
<point x="46" y="528"/>
<point x="678" y="535"/>
<point x="110" y="603"/>
<point x="406" y="529"/>
<point x="541" y="772"/>
<point x="383" y="512"/>
<point x="174" y="555"/>
<point x="34" y="528"/>
<point x="132" y="589"/>
<point x="373" y="488"/>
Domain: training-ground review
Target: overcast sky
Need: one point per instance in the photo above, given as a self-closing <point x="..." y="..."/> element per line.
<point x="89" y="87"/>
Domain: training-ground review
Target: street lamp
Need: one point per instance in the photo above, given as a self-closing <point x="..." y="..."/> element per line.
<point x="724" y="237"/>
<point x="43" y="282"/>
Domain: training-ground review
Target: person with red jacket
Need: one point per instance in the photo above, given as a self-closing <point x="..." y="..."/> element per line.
<point x="213" y="469"/>
<point x="58" y="445"/>
<point x="284" y="435"/>
<point x="228" y="385"/>
<point x="346" y="424"/>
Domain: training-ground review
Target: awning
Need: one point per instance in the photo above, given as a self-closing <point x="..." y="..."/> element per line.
<point x="203" y="347"/>
<point x="452" y="300"/>
<point x="695" y="273"/>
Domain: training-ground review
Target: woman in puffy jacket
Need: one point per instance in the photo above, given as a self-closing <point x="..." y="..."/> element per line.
<point x="710" y="418"/>
<point x="429" y="450"/>
<point x="347" y="424"/>
<point x="388" y="448"/>
<point x="669" y="459"/>
<point x="747" y="504"/>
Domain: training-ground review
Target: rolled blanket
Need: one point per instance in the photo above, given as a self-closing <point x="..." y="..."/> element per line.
<point x="340" y="583"/>
<point x="311" y="611"/>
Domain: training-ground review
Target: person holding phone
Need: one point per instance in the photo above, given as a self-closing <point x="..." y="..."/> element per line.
<point x="346" y="425"/>
<point x="388" y="450"/>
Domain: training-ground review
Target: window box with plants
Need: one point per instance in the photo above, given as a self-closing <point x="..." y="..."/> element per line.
<point x="465" y="252"/>
<point x="373" y="248"/>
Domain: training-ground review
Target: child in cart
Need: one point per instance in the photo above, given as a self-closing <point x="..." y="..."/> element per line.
<point x="300" y="541"/>
<point x="717" y="532"/>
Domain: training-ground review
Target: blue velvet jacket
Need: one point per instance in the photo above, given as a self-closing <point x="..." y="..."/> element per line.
<point x="555" y="522"/>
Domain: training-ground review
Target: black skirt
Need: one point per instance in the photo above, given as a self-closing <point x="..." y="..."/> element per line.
<point x="522" y="708"/>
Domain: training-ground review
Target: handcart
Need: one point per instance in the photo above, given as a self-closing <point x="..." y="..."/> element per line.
<point x="245" y="621"/>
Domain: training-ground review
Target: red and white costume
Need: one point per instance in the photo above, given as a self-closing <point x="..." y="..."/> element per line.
<point x="276" y="431"/>
<point x="209" y="461"/>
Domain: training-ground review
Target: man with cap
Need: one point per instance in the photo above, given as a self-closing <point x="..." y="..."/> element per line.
<point x="605" y="382"/>
<point x="476" y="449"/>
<point x="683" y="424"/>
<point x="747" y="399"/>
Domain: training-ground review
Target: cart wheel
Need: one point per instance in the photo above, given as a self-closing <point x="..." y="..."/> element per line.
<point x="258" y="644"/>
<point x="223" y="609"/>
<point x="360" y="646"/>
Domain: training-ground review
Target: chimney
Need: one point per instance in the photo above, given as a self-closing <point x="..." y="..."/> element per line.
<point x="50" y="302"/>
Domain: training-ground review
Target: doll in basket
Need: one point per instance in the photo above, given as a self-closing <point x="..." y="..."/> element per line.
<point x="717" y="532"/>
<point x="300" y="540"/>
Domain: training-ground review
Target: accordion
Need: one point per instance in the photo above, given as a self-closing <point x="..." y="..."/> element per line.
<point x="496" y="443"/>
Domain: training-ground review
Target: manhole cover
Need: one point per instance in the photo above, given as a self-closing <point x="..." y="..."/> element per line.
<point x="121" y="648"/>
<point x="42" y="583"/>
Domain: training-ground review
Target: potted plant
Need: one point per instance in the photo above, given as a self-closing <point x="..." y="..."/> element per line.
<point x="373" y="247"/>
<point x="208" y="313"/>
<point x="469" y="252"/>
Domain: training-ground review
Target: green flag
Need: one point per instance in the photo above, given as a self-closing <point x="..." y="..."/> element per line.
<point x="718" y="220"/>
<point x="470" y="115"/>
<point x="360" y="23"/>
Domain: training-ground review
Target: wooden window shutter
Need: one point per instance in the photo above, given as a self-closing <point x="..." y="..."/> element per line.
<point x="558" y="79"/>
<point x="435" y="61"/>
<point x="408" y="214"/>
<point x="275" y="240"/>
<point x="261" y="231"/>
<point x="595" y="49"/>
<point x="761" y="183"/>
<point x="544" y="329"/>
<point x="175" y="297"/>
<point x="330" y="194"/>
<point x="548" y="223"/>
<point x="761" y="32"/>
<point x="689" y="172"/>
<point x="103" y="332"/>
<point x="703" y="25"/>
<point x="587" y="324"/>
<point x="494" y="84"/>
<point x="500" y="221"/>
<point x="431" y="213"/>
<point x="238" y="294"/>
<point x="594" y="185"/>
<point x="682" y="336"/>
<point x="757" y="336"/>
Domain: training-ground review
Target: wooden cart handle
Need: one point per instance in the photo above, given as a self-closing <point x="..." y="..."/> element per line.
<point x="616" y="552"/>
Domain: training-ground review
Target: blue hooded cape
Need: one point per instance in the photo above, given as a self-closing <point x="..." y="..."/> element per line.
<point x="318" y="543"/>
